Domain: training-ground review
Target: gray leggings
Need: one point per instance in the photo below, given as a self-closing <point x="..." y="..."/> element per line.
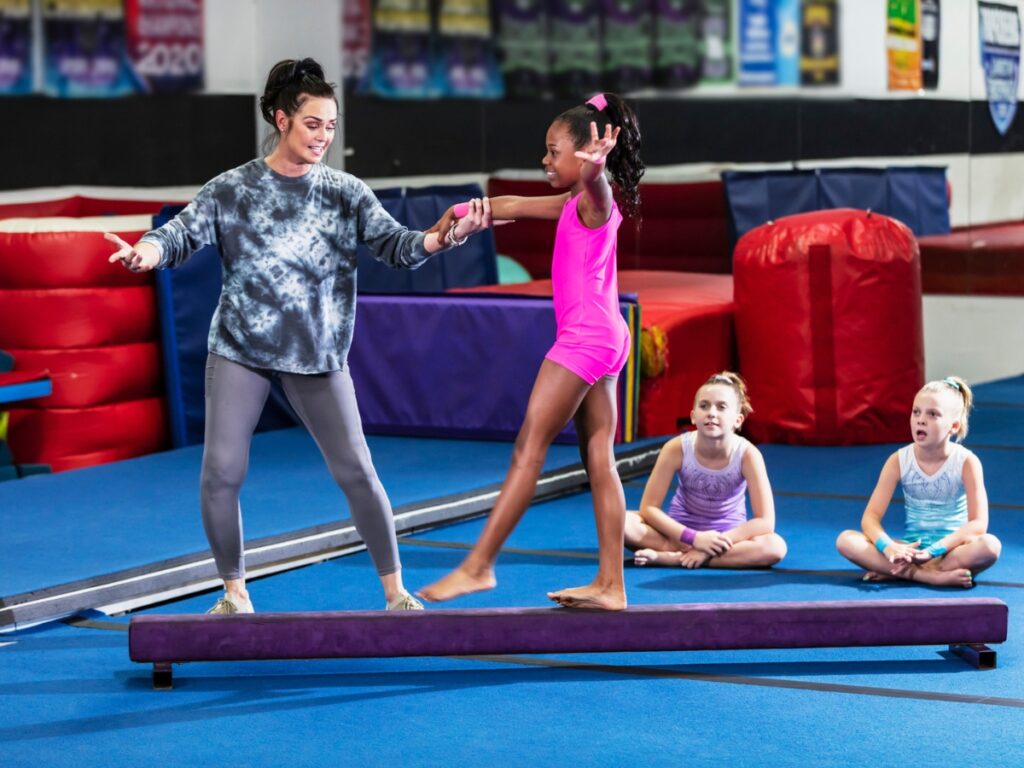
<point x="326" y="403"/>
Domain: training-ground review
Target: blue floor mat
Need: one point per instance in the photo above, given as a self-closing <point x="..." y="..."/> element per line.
<point x="70" y="694"/>
<point x="75" y="525"/>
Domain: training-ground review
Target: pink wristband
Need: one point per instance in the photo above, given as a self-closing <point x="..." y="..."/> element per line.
<point x="688" y="535"/>
<point x="460" y="210"/>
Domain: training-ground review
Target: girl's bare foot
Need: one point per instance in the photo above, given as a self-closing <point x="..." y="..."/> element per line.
<point x="458" y="583"/>
<point x="591" y="596"/>
<point x="875" y="576"/>
<point x="958" y="577"/>
<point x="656" y="557"/>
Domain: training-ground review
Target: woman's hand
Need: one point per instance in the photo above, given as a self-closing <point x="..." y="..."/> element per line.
<point x="599" y="147"/>
<point x="142" y="258"/>
<point x="712" y="543"/>
<point x="476" y="218"/>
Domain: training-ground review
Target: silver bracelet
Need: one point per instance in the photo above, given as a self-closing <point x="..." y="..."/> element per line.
<point x="450" y="237"/>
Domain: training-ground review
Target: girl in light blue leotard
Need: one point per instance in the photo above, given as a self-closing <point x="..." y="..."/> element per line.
<point x="945" y="540"/>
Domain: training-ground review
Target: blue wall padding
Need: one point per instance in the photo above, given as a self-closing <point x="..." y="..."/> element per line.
<point x="916" y="196"/>
<point x="472" y="264"/>
<point x="187" y="297"/>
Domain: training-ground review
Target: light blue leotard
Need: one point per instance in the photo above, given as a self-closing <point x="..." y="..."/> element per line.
<point x="936" y="505"/>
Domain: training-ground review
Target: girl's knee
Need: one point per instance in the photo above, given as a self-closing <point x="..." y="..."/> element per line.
<point x="847" y="541"/>
<point x="634" y="529"/>
<point x="775" y="549"/>
<point x="601" y="469"/>
<point x="767" y="550"/>
<point x="529" y="454"/>
<point x="987" y="549"/>
<point x="991" y="545"/>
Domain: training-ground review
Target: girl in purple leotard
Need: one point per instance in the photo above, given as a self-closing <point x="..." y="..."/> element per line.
<point x="706" y="522"/>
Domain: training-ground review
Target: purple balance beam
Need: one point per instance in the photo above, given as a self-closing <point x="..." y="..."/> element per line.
<point x="165" y="639"/>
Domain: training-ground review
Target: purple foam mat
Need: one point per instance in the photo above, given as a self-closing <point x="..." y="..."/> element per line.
<point x="687" y="627"/>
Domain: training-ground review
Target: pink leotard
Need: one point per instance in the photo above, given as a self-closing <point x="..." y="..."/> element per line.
<point x="593" y="338"/>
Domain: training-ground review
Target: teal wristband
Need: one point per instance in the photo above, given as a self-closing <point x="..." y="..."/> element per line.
<point x="882" y="542"/>
<point x="936" y="550"/>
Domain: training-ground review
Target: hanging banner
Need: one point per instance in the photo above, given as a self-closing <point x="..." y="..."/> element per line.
<point x="15" y="46"/>
<point x="355" y="44"/>
<point x="930" y="26"/>
<point x="819" y="45"/>
<point x="757" y="43"/>
<point x="165" y="43"/>
<point x="628" y="50"/>
<point x="466" y="61"/>
<point x="84" y="49"/>
<point x="676" y="43"/>
<point x="769" y="42"/>
<point x="787" y="42"/>
<point x="999" y="26"/>
<point x="576" y="54"/>
<point x="716" y="42"/>
<point x="903" y="45"/>
<point x="523" y="42"/>
<point x="402" y="57"/>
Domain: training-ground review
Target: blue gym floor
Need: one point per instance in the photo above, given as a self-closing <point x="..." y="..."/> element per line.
<point x="70" y="695"/>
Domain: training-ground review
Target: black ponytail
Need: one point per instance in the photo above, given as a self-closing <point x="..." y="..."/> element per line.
<point x="289" y="84"/>
<point x="624" y="163"/>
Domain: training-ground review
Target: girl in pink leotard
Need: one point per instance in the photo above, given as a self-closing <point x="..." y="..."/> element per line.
<point x="578" y="377"/>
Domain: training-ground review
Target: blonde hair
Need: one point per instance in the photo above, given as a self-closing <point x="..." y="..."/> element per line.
<point x="739" y="386"/>
<point x="958" y="387"/>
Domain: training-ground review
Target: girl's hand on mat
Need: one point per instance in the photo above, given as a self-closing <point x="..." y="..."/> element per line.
<point x="712" y="543"/>
<point x="693" y="558"/>
<point x="142" y="258"/>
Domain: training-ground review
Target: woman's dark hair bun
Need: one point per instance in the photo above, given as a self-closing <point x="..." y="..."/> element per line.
<point x="289" y="82"/>
<point x="306" y="68"/>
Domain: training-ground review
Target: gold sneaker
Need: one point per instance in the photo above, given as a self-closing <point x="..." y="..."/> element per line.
<point x="233" y="604"/>
<point x="404" y="602"/>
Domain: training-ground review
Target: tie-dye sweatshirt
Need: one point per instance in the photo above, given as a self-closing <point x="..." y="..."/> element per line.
<point x="288" y="250"/>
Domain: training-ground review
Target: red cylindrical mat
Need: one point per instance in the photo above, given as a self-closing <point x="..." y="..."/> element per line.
<point x="829" y="327"/>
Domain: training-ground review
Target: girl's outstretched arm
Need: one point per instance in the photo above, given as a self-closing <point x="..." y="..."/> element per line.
<point x="513" y="207"/>
<point x="977" y="513"/>
<point x="596" y="204"/>
<point x="506" y="209"/>
<point x="762" y="503"/>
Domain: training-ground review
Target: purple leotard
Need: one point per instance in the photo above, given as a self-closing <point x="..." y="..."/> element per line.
<point x="710" y="499"/>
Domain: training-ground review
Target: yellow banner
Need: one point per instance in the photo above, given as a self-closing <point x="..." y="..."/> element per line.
<point x="903" y="45"/>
